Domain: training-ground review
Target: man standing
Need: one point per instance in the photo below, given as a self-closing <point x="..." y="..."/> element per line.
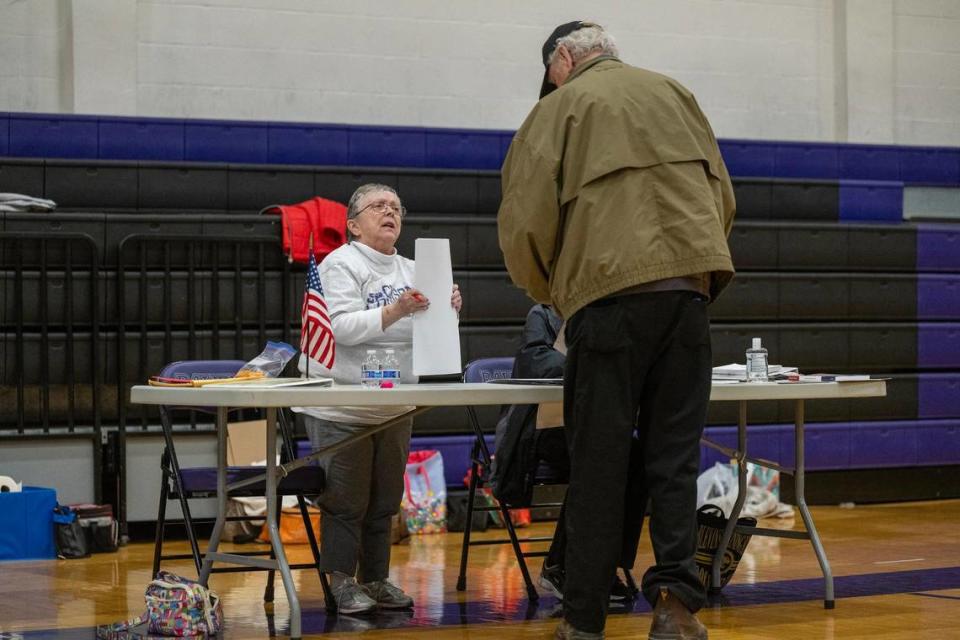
<point x="616" y="207"/>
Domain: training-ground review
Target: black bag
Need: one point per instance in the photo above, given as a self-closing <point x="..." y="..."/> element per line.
<point x="99" y="526"/>
<point x="710" y="526"/>
<point x="68" y="534"/>
<point x="515" y="465"/>
<point x="457" y="512"/>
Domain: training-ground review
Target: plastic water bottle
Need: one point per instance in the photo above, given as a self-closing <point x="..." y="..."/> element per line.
<point x="757" y="362"/>
<point x="370" y="370"/>
<point x="389" y="370"/>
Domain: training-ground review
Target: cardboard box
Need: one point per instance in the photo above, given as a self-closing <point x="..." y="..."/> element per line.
<point x="246" y="442"/>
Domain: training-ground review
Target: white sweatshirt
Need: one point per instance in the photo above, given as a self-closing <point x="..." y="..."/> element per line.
<point x="357" y="283"/>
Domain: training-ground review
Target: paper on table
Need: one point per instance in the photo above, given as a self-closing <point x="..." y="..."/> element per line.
<point x="274" y="383"/>
<point x="736" y="371"/>
<point x="436" y="331"/>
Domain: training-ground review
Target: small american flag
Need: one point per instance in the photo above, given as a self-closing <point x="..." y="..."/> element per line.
<point x="316" y="333"/>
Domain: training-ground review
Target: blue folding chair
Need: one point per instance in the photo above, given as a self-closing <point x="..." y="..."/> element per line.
<point x="484" y="370"/>
<point x="186" y="484"/>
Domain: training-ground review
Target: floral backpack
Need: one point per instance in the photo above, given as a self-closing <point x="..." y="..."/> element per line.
<point x="175" y="607"/>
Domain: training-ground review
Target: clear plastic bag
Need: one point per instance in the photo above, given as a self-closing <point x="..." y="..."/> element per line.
<point x="270" y="362"/>
<point x="718" y="485"/>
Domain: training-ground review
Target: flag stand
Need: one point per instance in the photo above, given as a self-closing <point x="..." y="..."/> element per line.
<point x="307" y="355"/>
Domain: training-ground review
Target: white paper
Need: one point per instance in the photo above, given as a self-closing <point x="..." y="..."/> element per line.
<point x="436" y="331"/>
<point x="739" y="371"/>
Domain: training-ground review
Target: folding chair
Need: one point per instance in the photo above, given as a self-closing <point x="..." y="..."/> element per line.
<point x="481" y="371"/>
<point x="186" y="484"/>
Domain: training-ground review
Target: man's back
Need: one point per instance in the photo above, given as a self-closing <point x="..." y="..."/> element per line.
<point x="640" y="192"/>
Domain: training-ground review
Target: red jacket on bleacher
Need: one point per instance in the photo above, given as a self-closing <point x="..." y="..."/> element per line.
<point x="326" y="219"/>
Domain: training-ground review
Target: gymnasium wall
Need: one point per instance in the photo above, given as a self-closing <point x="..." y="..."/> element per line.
<point x="879" y="71"/>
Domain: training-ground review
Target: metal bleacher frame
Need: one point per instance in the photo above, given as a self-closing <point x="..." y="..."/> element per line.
<point x="51" y="257"/>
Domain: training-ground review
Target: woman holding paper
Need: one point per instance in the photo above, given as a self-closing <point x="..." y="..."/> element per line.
<point x="370" y="297"/>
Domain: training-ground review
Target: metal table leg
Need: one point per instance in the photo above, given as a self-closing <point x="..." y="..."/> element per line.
<point x="221" y="496"/>
<point x="281" y="558"/>
<point x="280" y="563"/>
<point x="828" y="600"/>
<point x="740" y="455"/>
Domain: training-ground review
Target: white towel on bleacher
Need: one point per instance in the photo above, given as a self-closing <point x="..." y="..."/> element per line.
<point x="20" y="203"/>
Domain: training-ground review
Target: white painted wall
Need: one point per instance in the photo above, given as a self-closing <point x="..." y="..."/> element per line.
<point x="845" y="70"/>
<point x="927" y="71"/>
<point x="35" y="64"/>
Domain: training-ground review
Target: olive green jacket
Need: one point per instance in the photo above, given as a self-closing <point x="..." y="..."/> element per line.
<point x="614" y="180"/>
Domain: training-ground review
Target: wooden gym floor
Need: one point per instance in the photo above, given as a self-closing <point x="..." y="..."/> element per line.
<point x="897" y="570"/>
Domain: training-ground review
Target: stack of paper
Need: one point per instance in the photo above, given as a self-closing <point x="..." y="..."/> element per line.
<point x="833" y="377"/>
<point x="272" y="383"/>
<point x="735" y="371"/>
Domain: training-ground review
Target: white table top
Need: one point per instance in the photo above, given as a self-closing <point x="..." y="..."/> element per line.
<point x="461" y="394"/>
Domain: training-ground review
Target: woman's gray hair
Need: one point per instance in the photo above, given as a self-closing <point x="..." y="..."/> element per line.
<point x="353" y="206"/>
<point x="583" y="42"/>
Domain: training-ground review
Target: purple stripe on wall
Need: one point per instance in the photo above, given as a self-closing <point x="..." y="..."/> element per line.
<point x="849" y="445"/>
<point x="869" y="162"/>
<point x="53" y="136"/>
<point x="938" y="296"/>
<point x="929" y="165"/>
<point x="307" y="144"/>
<point x="938" y="442"/>
<point x="141" y="139"/>
<point x="225" y="142"/>
<point x="938" y="345"/>
<point x="387" y="147"/>
<point x="938" y="248"/>
<point x="463" y="150"/>
<point x="805" y="160"/>
<point x="4" y="134"/>
<point x="71" y="136"/>
<point x="748" y="158"/>
<point x="938" y="395"/>
<point x="872" y="201"/>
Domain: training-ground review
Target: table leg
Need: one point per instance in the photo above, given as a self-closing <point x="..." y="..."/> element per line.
<point x="828" y="600"/>
<point x="221" y="495"/>
<point x="282" y="564"/>
<point x="740" y="455"/>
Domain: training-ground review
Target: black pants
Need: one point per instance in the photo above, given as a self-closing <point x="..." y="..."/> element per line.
<point x="552" y="449"/>
<point x="636" y="363"/>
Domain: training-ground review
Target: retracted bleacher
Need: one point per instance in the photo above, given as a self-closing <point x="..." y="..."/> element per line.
<point x="829" y="274"/>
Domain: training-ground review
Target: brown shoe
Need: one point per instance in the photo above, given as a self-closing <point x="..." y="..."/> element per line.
<point x="567" y="631"/>
<point x="673" y="621"/>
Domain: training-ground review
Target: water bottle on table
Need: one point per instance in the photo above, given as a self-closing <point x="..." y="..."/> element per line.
<point x="389" y="370"/>
<point x="757" y="362"/>
<point x="370" y="370"/>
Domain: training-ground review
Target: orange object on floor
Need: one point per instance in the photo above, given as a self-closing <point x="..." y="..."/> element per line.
<point x="292" y="529"/>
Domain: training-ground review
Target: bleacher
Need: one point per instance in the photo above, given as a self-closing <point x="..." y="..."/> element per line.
<point x="156" y="252"/>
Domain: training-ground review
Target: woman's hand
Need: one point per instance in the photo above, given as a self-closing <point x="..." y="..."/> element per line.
<point x="456" y="301"/>
<point x="409" y="302"/>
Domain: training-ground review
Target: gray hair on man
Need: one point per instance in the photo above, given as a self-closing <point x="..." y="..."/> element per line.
<point x="353" y="206"/>
<point x="583" y="42"/>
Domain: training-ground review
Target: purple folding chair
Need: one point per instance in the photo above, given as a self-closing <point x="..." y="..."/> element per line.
<point x="186" y="484"/>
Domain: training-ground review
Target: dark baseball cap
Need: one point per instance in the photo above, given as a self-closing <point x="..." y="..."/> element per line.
<point x="551" y="44"/>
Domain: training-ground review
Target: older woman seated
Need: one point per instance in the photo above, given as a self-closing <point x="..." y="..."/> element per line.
<point x="369" y="292"/>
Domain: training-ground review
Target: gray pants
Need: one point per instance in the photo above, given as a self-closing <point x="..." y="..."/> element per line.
<point x="363" y="491"/>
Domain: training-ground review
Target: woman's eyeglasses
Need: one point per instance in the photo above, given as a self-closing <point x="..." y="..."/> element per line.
<point x="382" y="207"/>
